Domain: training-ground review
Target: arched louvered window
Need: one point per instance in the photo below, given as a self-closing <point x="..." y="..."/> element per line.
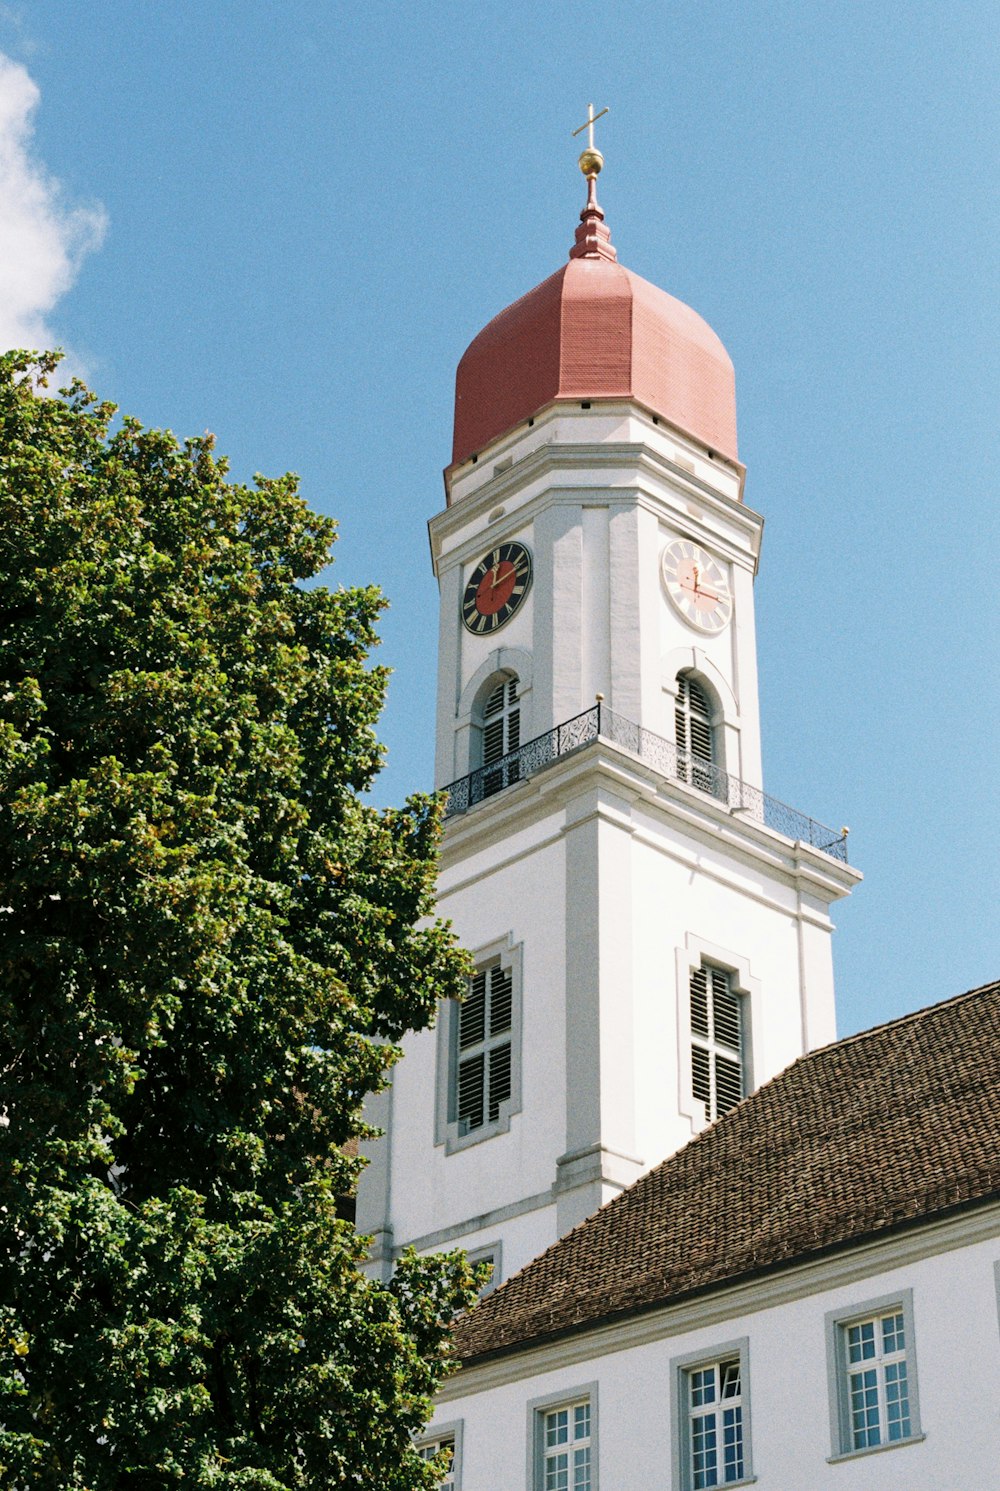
<point x="501" y="732"/>
<point x="696" y="754"/>
<point x="717" y="1045"/>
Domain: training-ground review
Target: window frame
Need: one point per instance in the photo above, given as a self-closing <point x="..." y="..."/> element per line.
<point x="447" y="1127"/>
<point x="507" y="718"/>
<point x="436" y="1434"/>
<point x="706" y="774"/>
<point x="492" y="1253"/>
<point x="681" y="1370"/>
<point x="538" y="1408"/>
<point x="836" y="1325"/>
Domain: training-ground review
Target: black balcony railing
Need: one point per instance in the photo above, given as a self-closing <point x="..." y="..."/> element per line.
<point x="662" y="754"/>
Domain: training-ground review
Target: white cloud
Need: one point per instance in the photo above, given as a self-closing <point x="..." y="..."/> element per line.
<point x="43" y="239"/>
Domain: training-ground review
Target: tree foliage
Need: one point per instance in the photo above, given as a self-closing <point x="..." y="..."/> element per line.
<point x="208" y="944"/>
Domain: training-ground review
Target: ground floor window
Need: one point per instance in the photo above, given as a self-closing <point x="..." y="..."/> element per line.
<point x="712" y="1418"/>
<point x="872" y="1367"/>
<point x="563" y="1431"/>
<point x="446" y="1442"/>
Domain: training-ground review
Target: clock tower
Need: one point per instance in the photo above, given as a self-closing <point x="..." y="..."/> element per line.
<point x="650" y="929"/>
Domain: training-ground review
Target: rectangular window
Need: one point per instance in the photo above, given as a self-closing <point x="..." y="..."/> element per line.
<point x="712" y="1419"/>
<point x="715" y="1425"/>
<point x="562" y="1441"/>
<point x="564" y="1458"/>
<point x="873" y="1375"/>
<point x="446" y="1439"/>
<point x="483" y="1069"/>
<point x="716" y="1040"/>
<point x="479" y="1052"/>
<point x="876" y="1380"/>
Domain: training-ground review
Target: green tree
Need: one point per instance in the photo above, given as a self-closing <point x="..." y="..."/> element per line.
<point x="208" y="945"/>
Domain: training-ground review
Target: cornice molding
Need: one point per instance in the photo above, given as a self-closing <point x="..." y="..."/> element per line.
<point x="637" y="457"/>
<point x="458" y="471"/>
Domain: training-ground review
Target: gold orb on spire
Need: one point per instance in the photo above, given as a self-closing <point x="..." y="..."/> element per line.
<point x="591" y="161"/>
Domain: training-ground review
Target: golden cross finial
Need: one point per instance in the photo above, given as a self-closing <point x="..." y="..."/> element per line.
<point x="591" y="159"/>
<point x="589" y="123"/>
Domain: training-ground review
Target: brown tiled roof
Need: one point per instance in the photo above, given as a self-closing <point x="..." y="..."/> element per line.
<point x="895" y="1126"/>
<point x="595" y="330"/>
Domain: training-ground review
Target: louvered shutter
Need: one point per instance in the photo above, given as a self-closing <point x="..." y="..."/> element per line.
<point x="725" y="1010"/>
<point x="471" y="1093"/>
<point x="484" y="1068"/>
<point x="501" y="736"/>
<point x="701" y="1081"/>
<point x="499" y="1079"/>
<point x="472" y="1013"/>
<point x="728" y="1083"/>
<point x="493" y="741"/>
<point x="716" y="1014"/>
<point x="693" y="733"/>
<point x="501" y="1000"/>
<point x="699" y="1001"/>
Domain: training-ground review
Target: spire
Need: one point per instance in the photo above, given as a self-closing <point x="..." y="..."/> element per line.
<point x="593" y="236"/>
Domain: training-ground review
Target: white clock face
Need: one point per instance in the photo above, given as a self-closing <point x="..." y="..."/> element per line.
<point x="697" y="585"/>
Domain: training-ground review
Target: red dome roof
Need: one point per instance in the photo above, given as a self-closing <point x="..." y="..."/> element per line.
<point x="595" y="330"/>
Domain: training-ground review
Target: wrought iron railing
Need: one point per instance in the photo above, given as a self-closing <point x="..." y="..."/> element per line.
<point x="662" y="754"/>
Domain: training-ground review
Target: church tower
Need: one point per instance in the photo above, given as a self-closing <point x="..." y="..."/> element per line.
<point x="651" y="932"/>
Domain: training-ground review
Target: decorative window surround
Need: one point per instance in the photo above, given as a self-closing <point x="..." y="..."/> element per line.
<point x="872" y="1376"/>
<point x="444" y="1436"/>
<point x="698" y="953"/>
<point x="710" y="1413"/>
<point x="457" y="1079"/>
<point x="562" y="1440"/>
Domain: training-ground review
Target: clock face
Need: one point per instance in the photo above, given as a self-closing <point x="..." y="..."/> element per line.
<point x="697" y="585"/>
<point x="496" y="588"/>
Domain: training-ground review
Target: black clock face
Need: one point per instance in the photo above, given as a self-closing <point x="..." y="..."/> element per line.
<point x="496" y="588"/>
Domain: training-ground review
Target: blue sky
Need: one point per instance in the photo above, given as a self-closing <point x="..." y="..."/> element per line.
<point x="285" y="222"/>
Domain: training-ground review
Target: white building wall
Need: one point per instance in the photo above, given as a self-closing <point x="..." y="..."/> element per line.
<point x="611" y="884"/>
<point x="956" y="1349"/>
<point x="433" y="1190"/>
